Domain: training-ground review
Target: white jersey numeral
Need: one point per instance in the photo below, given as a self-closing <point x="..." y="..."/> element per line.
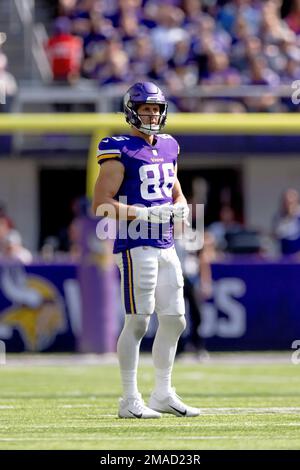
<point x="169" y="178"/>
<point x="119" y="138"/>
<point x="151" y="187"/>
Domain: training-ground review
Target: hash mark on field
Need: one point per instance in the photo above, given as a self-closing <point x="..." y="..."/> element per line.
<point x="83" y="405"/>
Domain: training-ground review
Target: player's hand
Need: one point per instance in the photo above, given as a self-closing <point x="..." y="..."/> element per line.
<point x="181" y="212"/>
<point x="206" y="290"/>
<point x="155" y="214"/>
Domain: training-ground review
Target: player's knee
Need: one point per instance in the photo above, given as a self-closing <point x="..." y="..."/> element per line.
<point x="179" y="323"/>
<point x="138" y="325"/>
<point x="175" y="324"/>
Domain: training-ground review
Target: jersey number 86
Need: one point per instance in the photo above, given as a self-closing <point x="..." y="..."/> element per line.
<point x="151" y="187"/>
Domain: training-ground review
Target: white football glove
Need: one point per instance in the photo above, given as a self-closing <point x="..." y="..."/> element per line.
<point x="155" y="214"/>
<point x="180" y="212"/>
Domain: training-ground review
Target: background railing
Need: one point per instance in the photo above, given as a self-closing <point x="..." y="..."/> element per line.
<point x="108" y="99"/>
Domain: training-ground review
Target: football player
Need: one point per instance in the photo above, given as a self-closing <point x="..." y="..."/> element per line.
<point x="142" y="167"/>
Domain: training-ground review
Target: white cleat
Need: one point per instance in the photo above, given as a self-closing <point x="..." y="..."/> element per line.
<point x="172" y="404"/>
<point x="135" y="408"/>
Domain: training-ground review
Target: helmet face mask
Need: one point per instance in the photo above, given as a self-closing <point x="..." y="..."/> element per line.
<point x="145" y="93"/>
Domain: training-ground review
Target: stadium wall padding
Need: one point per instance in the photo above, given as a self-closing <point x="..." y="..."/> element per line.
<point x="255" y="306"/>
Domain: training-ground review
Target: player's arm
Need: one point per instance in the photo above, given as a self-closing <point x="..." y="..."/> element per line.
<point x="206" y="284"/>
<point x="107" y="185"/>
<point x="180" y="207"/>
<point x="177" y="193"/>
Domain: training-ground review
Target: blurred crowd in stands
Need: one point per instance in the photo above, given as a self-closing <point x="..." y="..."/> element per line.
<point x="8" y="84"/>
<point x="181" y="44"/>
<point x="11" y="245"/>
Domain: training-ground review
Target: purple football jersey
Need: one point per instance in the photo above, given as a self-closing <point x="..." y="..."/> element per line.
<point x="148" y="180"/>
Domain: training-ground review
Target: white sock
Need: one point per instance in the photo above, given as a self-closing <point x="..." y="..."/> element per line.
<point x="163" y="382"/>
<point x="128" y="349"/>
<point x="129" y="382"/>
<point x="164" y="349"/>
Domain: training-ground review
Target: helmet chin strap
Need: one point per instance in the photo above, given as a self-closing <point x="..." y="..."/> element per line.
<point x="148" y="130"/>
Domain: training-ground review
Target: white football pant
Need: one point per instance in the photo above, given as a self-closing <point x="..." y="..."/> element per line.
<point x="151" y="280"/>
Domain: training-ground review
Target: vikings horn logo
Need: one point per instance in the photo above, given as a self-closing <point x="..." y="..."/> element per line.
<point x="37" y="310"/>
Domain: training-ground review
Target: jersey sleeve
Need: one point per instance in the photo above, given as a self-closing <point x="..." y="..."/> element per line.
<point x="176" y="150"/>
<point x="109" y="149"/>
<point x="177" y="147"/>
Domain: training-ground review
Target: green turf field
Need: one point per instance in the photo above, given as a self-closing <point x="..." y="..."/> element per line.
<point x="244" y="406"/>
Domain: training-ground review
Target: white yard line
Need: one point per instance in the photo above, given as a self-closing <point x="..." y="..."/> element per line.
<point x="135" y="438"/>
<point x="204" y="410"/>
<point x="215" y="411"/>
<point x="258" y="410"/>
<point x="261" y="357"/>
<point x="160" y="425"/>
<point x="233" y="376"/>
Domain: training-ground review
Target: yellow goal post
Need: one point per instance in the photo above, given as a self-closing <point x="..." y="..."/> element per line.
<point x="102" y="125"/>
